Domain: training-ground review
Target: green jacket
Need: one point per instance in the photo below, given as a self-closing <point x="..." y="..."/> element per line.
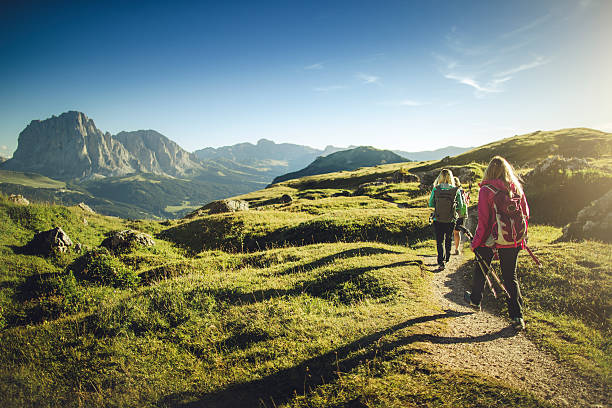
<point x="461" y="206"/>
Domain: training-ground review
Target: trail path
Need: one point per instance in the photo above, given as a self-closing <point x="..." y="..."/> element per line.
<point x="485" y="344"/>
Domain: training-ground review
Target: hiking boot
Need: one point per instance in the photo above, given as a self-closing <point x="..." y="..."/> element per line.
<point x="455" y="252"/>
<point x="467" y="296"/>
<point x="441" y="266"/>
<point x="518" y="323"/>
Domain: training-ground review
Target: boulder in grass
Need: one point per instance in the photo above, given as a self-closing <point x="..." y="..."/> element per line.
<point x="18" y="199"/>
<point x="47" y="242"/>
<point x="285" y="199"/>
<point x="85" y="208"/>
<point x="592" y="222"/>
<point x="223" y="206"/>
<point x="124" y="240"/>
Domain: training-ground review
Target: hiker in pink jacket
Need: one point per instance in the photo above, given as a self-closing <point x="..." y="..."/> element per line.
<point x="507" y="238"/>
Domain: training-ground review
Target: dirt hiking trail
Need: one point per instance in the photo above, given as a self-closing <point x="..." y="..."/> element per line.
<point x="487" y="345"/>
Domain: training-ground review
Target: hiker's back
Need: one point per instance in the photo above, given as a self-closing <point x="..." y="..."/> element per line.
<point x="445" y="204"/>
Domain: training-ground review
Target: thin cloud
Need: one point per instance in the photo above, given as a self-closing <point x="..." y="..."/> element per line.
<point x="539" y="61"/>
<point x="328" y="88"/>
<point x="3" y="147"/>
<point x="531" y="25"/>
<point x="368" y="79"/>
<point x="465" y="80"/>
<point x="318" y="65"/>
<point x="448" y="62"/>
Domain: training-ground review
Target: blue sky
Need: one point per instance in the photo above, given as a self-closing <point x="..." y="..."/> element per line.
<point x="409" y="75"/>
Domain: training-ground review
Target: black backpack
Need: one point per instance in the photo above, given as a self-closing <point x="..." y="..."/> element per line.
<point x="446" y="204"/>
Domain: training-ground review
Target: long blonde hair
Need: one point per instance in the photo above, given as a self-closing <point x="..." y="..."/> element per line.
<point x="457" y="181"/>
<point x="445" y="176"/>
<point x="500" y="169"/>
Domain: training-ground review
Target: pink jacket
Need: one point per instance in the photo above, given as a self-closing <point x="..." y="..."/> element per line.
<point x="486" y="213"/>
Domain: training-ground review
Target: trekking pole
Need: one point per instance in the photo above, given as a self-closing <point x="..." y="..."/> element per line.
<point x="535" y="259"/>
<point x="486" y="268"/>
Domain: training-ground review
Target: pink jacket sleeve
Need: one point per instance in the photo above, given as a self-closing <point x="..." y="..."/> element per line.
<point x="484" y="214"/>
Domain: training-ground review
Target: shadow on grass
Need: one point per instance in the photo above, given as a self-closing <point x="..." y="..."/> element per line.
<point x="283" y="385"/>
<point x="350" y="253"/>
<point x="345" y="286"/>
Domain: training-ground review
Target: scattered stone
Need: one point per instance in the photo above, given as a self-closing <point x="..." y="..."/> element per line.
<point x="403" y="177"/>
<point x="592" y="222"/>
<point x="86" y="208"/>
<point x="554" y="164"/>
<point x="46" y="242"/>
<point x="223" y="206"/>
<point x="126" y="239"/>
<point x="285" y="199"/>
<point x="18" y="199"/>
<point x="85" y="222"/>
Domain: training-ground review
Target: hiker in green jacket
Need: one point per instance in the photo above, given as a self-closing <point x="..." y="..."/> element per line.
<point x="446" y="199"/>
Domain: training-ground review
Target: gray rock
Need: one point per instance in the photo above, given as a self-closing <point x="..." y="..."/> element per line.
<point x="126" y="239"/>
<point x="70" y="146"/>
<point x="46" y="242"/>
<point x="554" y="164"/>
<point x="285" y="199"/>
<point x="85" y="208"/>
<point x="158" y="154"/>
<point x="223" y="206"/>
<point x="18" y="199"/>
<point x="592" y="222"/>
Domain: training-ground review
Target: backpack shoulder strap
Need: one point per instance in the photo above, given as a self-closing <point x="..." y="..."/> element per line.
<point x="495" y="190"/>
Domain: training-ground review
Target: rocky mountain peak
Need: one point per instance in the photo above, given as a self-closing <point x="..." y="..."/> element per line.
<point x="70" y="146"/>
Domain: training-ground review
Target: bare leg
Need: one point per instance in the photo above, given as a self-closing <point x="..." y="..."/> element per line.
<point x="457" y="240"/>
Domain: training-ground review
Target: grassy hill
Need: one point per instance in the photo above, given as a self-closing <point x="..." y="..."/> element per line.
<point x="364" y="156"/>
<point x="525" y="150"/>
<point x="318" y="302"/>
<point x="29" y="179"/>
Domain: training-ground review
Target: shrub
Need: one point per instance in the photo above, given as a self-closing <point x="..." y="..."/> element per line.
<point x="99" y="266"/>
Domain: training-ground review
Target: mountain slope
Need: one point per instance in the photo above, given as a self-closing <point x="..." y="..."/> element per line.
<point x="364" y="156"/>
<point x="69" y="146"/>
<point x="157" y="154"/>
<point x="433" y="154"/>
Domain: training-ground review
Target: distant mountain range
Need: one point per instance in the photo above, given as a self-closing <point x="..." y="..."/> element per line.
<point x="363" y="156"/>
<point x="145" y="174"/>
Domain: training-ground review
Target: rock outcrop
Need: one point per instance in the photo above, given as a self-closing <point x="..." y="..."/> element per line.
<point x="223" y="206"/>
<point x="46" y="242"/>
<point x="18" y="199"/>
<point x="70" y="146"/>
<point x="126" y="239"/>
<point x="158" y="154"/>
<point x="555" y="164"/>
<point x="85" y="208"/>
<point x="592" y="222"/>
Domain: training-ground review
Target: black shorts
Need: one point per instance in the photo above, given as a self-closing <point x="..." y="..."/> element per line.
<point x="459" y="223"/>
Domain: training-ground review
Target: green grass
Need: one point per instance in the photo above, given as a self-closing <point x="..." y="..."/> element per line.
<point x="29" y="179"/>
<point x="523" y="150"/>
<point x="321" y="302"/>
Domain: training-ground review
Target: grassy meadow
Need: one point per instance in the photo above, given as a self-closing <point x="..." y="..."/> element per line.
<point x="317" y="302"/>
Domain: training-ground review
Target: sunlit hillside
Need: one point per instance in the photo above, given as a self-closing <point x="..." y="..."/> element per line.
<point x="322" y="299"/>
